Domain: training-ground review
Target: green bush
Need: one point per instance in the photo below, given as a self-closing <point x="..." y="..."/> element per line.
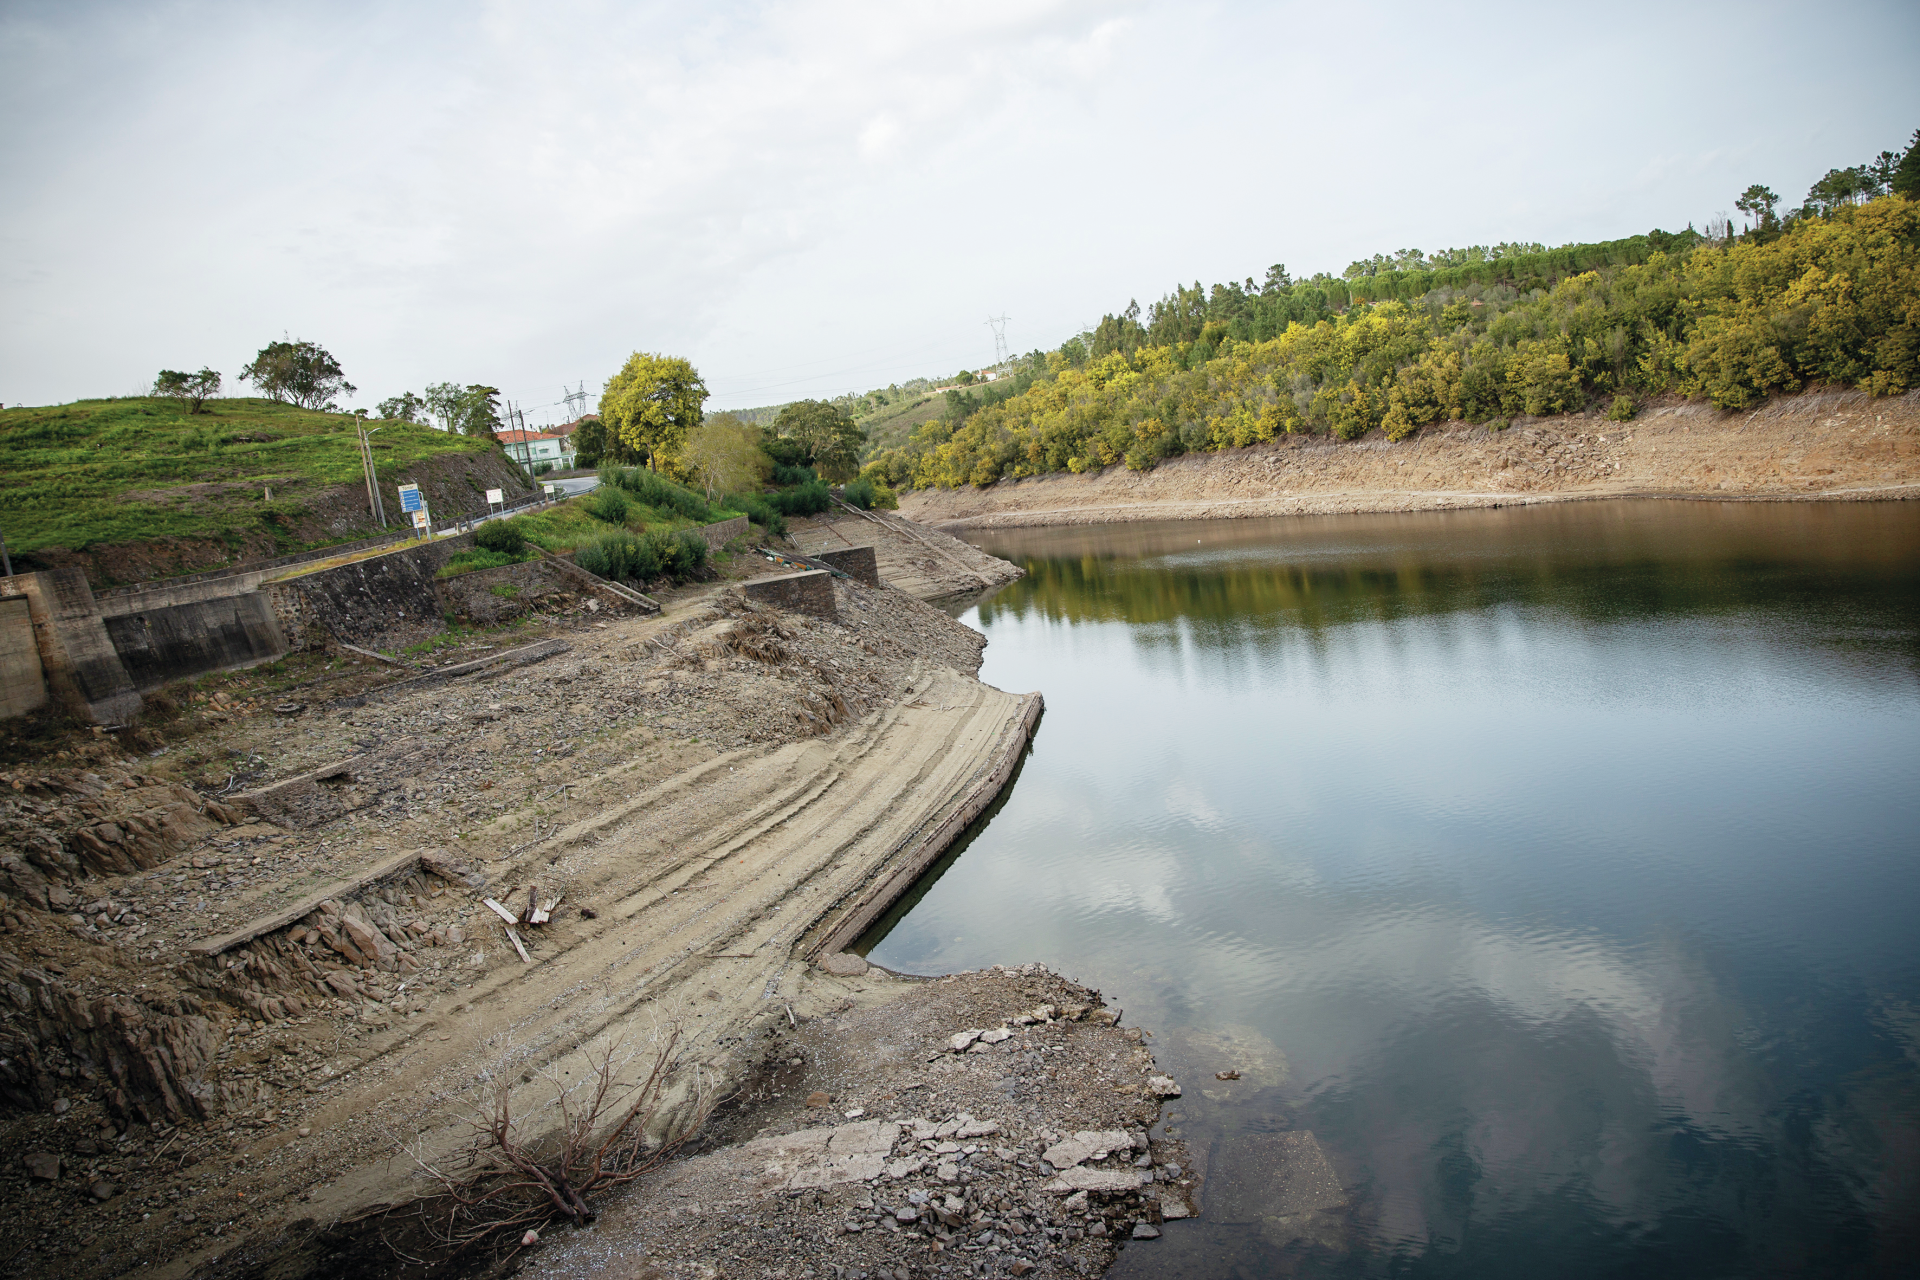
<point x="624" y="556"/>
<point x="860" y="494"/>
<point x="785" y="476"/>
<point x="609" y="504"/>
<point x="1622" y="409"/>
<point x="802" y="500"/>
<point x="689" y="554"/>
<point x="504" y="536"/>
<point x="658" y="492"/>
<point x="760" y="512"/>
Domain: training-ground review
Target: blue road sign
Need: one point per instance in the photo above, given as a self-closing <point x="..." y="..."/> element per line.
<point x="410" y="497"/>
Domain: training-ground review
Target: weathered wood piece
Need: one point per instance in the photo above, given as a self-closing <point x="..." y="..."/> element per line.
<point x="514" y="938"/>
<point x="504" y="912"/>
<point x="287" y="915"/>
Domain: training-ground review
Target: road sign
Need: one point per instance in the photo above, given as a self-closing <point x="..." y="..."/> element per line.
<point x="495" y="498"/>
<point x="420" y="519"/>
<point x="410" y="497"/>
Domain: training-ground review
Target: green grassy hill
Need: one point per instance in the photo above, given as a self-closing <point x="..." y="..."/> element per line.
<point x="135" y="488"/>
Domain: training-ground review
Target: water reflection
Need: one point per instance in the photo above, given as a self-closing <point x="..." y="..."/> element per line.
<point x="1552" y="868"/>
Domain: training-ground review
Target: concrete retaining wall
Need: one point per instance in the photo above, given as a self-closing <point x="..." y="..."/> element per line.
<point x="857" y="563"/>
<point x="158" y="646"/>
<point x="83" y="674"/>
<point x="808" y="592"/>
<point x="22" y="687"/>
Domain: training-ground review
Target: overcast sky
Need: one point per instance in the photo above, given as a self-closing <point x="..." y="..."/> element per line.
<point x="806" y="199"/>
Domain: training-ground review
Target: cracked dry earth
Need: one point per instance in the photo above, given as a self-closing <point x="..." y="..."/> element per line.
<point x="697" y="790"/>
<point x="982" y="1124"/>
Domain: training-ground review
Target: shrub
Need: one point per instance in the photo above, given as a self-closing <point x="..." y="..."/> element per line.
<point x="802" y="500"/>
<point x="504" y="536"/>
<point x="786" y="476"/>
<point x="658" y="492"/>
<point x="860" y="494"/>
<point x="541" y="468"/>
<point x="761" y="512"/>
<point x="689" y="554"/>
<point x="1622" y="409"/>
<point x="609" y="504"/>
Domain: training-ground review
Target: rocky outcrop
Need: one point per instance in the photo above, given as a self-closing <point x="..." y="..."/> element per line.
<point x="150" y="1061"/>
<point x="61" y="826"/>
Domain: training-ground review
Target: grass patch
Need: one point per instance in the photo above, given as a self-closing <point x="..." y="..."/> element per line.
<point x="476" y="559"/>
<point x="99" y="472"/>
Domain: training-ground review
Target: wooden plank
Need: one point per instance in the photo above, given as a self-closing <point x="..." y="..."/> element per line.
<point x="282" y="918"/>
<point x="505" y="913"/>
<point x="514" y="938"/>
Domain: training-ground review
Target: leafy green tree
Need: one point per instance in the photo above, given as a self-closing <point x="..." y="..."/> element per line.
<point x="1906" y="175"/>
<point x="443" y="402"/>
<point x="191" y="389"/>
<point x="828" y="440"/>
<point x="652" y="404"/>
<point x="479" y="411"/>
<point x="1840" y="188"/>
<point x="472" y="410"/>
<point x="1758" y="203"/>
<point x="300" y="373"/>
<point x="724" y="453"/>
<point x="405" y="407"/>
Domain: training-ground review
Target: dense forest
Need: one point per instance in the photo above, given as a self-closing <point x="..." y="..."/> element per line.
<point x="1828" y="293"/>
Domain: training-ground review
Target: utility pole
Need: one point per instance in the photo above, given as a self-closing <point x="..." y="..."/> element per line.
<point x="374" y="505"/>
<point x="4" y="557"/>
<point x="999" y="326"/>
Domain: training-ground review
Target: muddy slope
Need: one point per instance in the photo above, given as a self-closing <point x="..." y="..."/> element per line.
<point x="1831" y="445"/>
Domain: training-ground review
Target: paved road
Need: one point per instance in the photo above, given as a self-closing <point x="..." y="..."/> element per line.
<point x="576" y="486"/>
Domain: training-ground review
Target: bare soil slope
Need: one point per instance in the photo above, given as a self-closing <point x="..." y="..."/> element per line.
<point x="701" y="791"/>
<point x="1833" y="445"/>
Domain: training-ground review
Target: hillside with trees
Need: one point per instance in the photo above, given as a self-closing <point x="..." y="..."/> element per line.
<point x="1826" y="293"/>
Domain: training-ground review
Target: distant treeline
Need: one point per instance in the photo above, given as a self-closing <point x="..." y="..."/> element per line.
<point x="1829" y="294"/>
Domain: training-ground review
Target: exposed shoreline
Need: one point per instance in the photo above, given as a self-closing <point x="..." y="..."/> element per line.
<point x="732" y="793"/>
<point x="1819" y="446"/>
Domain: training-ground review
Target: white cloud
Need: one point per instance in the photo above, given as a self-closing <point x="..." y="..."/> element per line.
<point x="526" y="192"/>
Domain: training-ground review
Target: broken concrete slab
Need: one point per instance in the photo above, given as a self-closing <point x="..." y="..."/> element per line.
<point x="1265" y="1175"/>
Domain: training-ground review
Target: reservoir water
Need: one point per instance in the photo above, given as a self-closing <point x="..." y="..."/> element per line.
<point x="1557" y="869"/>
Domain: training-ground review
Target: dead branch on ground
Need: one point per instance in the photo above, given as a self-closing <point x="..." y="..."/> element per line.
<point x="520" y="1173"/>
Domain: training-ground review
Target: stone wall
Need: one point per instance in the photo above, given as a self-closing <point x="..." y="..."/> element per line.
<point x="720" y="533"/>
<point x="857" y="563"/>
<point x="22" y="687"/>
<point x="487" y="597"/>
<point x="808" y="592"/>
<point x="386" y="601"/>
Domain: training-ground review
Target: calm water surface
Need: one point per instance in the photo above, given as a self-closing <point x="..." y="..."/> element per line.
<point x="1558" y="869"/>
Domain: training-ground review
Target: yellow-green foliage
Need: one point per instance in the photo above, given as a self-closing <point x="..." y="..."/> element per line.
<point x="1833" y="300"/>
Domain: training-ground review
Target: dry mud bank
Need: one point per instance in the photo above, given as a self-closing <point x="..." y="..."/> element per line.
<point x="248" y="973"/>
<point x="1819" y="445"/>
